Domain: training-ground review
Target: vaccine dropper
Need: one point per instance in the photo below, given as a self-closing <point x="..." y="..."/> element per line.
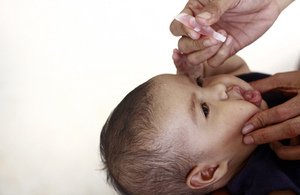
<point x="190" y="22"/>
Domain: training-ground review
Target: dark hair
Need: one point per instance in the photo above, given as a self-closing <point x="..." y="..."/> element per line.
<point x="135" y="160"/>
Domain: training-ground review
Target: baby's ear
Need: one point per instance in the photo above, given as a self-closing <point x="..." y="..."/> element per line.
<point x="202" y="175"/>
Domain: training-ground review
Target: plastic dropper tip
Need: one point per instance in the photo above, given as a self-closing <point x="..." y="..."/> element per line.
<point x="179" y="16"/>
<point x="219" y="37"/>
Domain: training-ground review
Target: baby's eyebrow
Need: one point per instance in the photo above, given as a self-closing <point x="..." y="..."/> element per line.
<point x="192" y="109"/>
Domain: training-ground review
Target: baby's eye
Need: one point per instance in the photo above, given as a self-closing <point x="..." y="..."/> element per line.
<point x="205" y="109"/>
<point x="199" y="81"/>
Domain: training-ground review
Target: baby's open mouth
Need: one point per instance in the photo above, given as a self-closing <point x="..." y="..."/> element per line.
<point x="252" y="96"/>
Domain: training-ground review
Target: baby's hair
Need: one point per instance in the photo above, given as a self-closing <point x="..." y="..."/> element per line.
<point x="135" y="160"/>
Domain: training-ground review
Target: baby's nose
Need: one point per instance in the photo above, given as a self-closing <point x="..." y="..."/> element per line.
<point x="220" y="92"/>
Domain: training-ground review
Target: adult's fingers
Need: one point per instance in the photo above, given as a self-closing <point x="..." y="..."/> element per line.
<point x="179" y="29"/>
<point x="209" y="14"/>
<point x="286" y="152"/>
<point x="288" y="82"/>
<point x="277" y="114"/>
<point x="187" y="45"/>
<point x="280" y="131"/>
<point x="265" y="85"/>
<point x="212" y="12"/>
<point x="223" y="53"/>
<point x="199" y="57"/>
<point x="183" y="66"/>
<point x="215" y="55"/>
<point x="177" y="60"/>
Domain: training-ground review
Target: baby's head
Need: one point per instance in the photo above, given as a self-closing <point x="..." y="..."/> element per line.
<point x="171" y="136"/>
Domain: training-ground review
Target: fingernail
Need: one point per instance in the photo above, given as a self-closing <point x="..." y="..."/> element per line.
<point x="190" y="35"/>
<point x="207" y="43"/>
<point x="229" y="40"/>
<point x="248" y="140"/>
<point x="248" y="128"/>
<point x="194" y="35"/>
<point x="204" y="15"/>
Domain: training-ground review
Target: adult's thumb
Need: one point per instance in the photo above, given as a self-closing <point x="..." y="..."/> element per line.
<point x="212" y="12"/>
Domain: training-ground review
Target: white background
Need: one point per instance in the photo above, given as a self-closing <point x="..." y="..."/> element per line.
<point x="64" y="65"/>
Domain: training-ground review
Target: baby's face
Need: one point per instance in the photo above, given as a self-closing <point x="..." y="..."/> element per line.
<point x="207" y="118"/>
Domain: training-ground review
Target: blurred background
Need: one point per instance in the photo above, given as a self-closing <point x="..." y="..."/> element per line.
<point x="64" y="65"/>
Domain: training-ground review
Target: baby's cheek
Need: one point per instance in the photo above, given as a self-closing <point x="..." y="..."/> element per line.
<point x="238" y="118"/>
<point x="241" y="114"/>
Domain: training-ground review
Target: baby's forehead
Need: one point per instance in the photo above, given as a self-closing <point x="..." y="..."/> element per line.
<point x="165" y="98"/>
<point x="163" y="85"/>
<point x="169" y="87"/>
<point x="165" y="79"/>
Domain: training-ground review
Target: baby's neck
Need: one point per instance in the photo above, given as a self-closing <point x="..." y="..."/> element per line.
<point x="242" y="165"/>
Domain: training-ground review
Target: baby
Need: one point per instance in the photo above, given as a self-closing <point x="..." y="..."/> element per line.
<point x="177" y="135"/>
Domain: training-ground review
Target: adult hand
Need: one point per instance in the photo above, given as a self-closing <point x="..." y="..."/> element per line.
<point x="243" y="20"/>
<point x="280" y="122"/>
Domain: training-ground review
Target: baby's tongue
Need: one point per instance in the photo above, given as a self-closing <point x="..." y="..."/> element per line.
<point x="253" y="96"/>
